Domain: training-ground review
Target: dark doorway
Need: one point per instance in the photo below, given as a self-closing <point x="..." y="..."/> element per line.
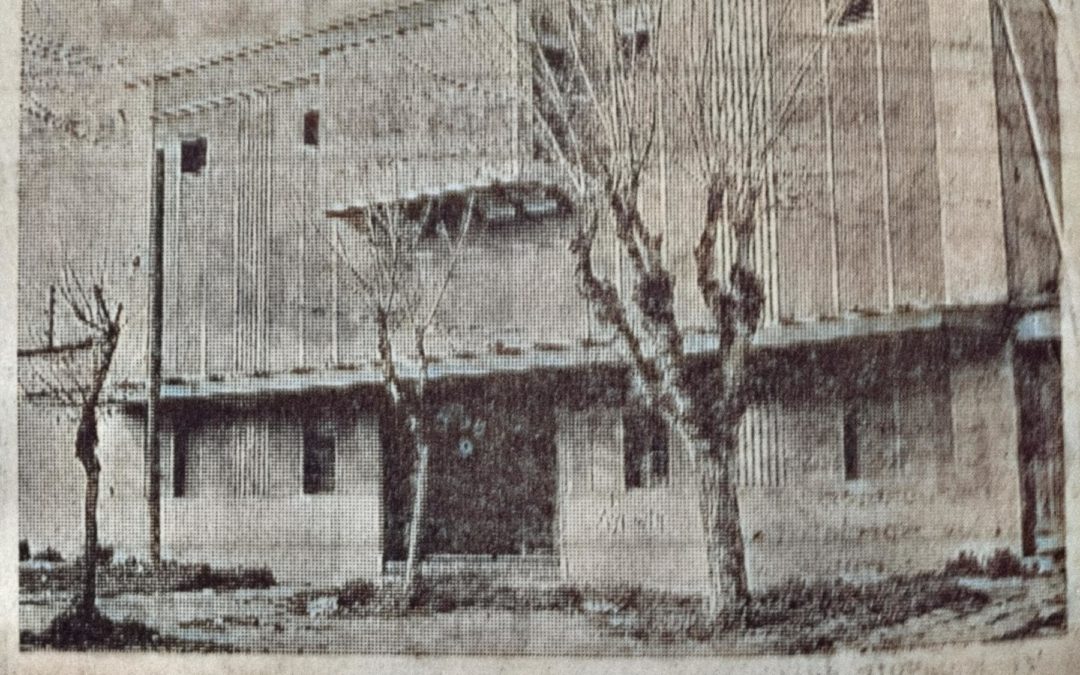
<point x="492" y="475"/>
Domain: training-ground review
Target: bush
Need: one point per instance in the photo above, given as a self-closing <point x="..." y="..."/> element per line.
<point x="565" y="598"/>
<point x="964" y="565"/>
<point x="447" y="593"/>
<point x="203" y="577"/>
<point x="75" y="630"/>
<point x="796" y="608"/>
<point x="1004" y="563"/>
<point x="1000" y="564"/>
<point x="105" y="554"/>
<point x="132" y="577"/>
<point x="356" y="594"/>
<point x="49" y="555"/>
<point x="24" y="550"/>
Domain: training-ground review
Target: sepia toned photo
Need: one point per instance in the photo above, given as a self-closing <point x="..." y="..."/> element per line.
<point x="560" y="328"/>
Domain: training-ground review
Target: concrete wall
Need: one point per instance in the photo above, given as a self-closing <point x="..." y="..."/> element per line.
<point x="875" y="189"/>
<point x="1033" y="253"/>
<point x="258" y="280"/>
<point x="255" y="283"/>
<point x="84" y="203"/>
<point x="972" y="232"/>
<point x="52" y="482"/>
<point x="247" y="260"/>
<point x="424" y="109"/>
<point x="885" y="190"/>
<point x="608" y="534"/>
<point x="938" y="475"/>
<point x="244" y="501"/>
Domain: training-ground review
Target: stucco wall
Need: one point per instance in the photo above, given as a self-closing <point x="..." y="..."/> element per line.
<point x="937" y="476"/>
<point x="249" y="508"/>
<point x="52" y="482"/>
<point x="84" y="203"/>
<point x="1033" y="252"/>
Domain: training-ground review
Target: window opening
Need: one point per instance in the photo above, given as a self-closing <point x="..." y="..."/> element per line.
<point x="552" y="92"/>
<point x="635" y="28"/>
<point x="193" y="155"/>
<point x="311" y="128"/>
<point x="319" y="459"/>
<point x="634" y="44"/>
<point x="180" y="463"/>
<point x="856" y="12"/>
<point x="645" y="449"/>
<point x="851" y="442"/>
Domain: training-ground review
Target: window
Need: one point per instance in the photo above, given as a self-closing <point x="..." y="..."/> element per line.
<point x="634" y="44"/>
<point x="311" y="128"/>
<point x="645" y="449"/>
<point x="192" y="155"/>
<point x="553" y="94"/>
<point x="851" y="441"/>
<point x="873" y="446"/>
<point x="180" y="463"/>
<point x="635" y="25"/>
<point x="856" y="12"/>
<point x="448" y="211"/>
<point x="319" y="456"/>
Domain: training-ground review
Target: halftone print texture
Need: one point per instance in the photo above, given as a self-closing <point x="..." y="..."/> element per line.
<point x="558" y="327"/>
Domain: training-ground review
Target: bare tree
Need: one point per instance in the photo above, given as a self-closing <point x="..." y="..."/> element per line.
<point x="605" y="71"/>
<point x="384" y="255"/>
<point x="75" y="375"/>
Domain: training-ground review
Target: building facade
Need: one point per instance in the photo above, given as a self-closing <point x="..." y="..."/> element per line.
<point x="907" y="405"/>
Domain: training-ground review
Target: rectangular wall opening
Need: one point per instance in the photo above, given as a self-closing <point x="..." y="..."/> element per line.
<point x="851" y="441"/>
<point x="193" y="155"/>
<point x="319" y="459"/>
<point x="645" y="449"/>
<point x="311" y="128"/>
<point x="180" y="463"/>
<point x="856" y="12"/>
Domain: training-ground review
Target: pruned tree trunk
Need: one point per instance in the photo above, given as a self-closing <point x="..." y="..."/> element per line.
<point x="416" y="523"/>
<point x="413" y="405"/>
<point x="87" y="601"/>
<point x="86" y="437"/>
<point x="81" y="389"/>
<point x="719" y="507"/>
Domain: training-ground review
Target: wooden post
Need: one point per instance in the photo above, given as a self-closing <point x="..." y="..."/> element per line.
<point x="153" y="393"/>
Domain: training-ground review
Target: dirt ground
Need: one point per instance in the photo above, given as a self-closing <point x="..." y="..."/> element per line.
<point x="267" y="620"/>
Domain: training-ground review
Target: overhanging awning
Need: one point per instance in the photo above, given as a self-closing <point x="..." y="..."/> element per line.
<point x="565" y="356"/>
<point x="500" y="199"/>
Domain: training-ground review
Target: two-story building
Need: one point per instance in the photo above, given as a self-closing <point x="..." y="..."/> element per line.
<point x="908" y="405"/>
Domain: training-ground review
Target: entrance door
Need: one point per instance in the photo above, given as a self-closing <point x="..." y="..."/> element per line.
<point x="491" y="482"/>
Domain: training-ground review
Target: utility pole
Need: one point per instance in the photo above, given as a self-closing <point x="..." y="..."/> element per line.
<point x="153" y="393"/>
